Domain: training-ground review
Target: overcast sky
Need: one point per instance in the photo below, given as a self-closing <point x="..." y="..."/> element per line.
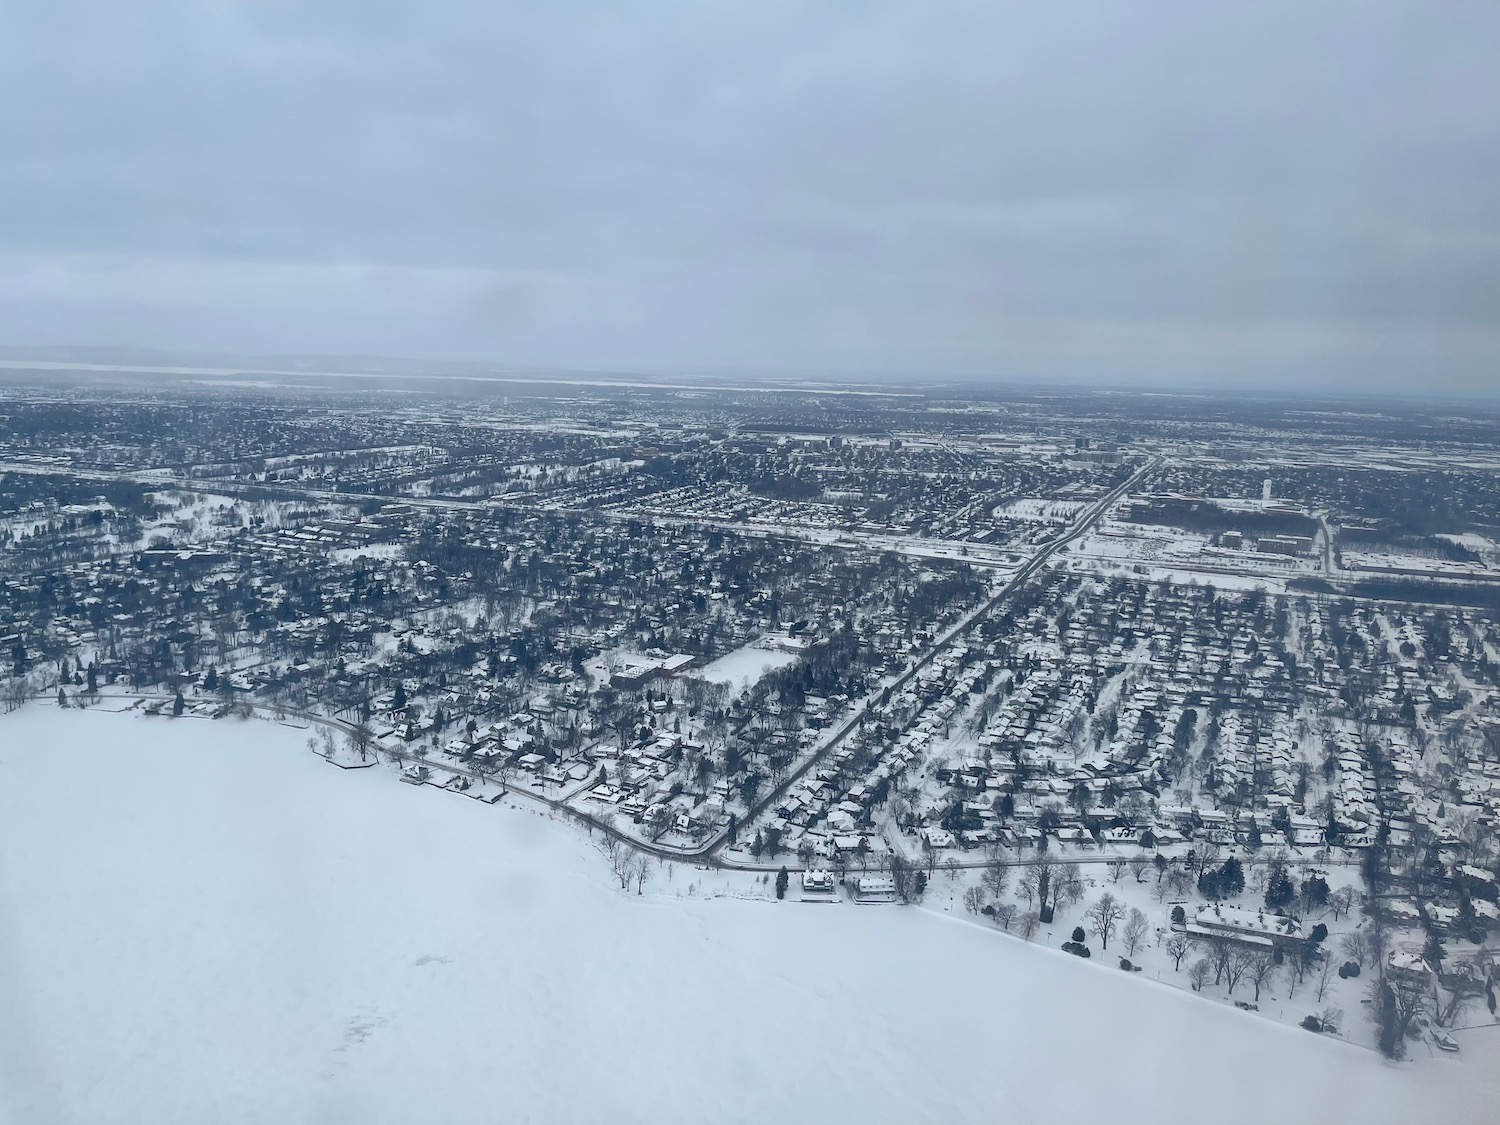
<point x="1152" y="193"/>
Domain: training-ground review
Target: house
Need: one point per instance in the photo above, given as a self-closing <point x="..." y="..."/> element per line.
<point x="937" y="837"/>
<point x="1251" y="927"/>
<point x="819" y="886"/>
<point x="874" y="889"/>
<point x="1407" y="964"/>
<point x="848" y="843"/>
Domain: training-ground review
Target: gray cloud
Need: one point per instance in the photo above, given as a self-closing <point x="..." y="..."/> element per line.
<point x="1271" y="194"/>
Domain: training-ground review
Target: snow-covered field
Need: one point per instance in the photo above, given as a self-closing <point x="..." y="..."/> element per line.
<point x="369" y="551"/>
<point x="742" y="667"/>
<point x="1039" y="508"/>
<point x="202" y="921"/>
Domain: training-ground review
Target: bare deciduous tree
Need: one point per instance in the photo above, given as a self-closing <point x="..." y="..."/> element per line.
<point x="1031" y="921"/>
<point x="1104" y="916"/>
<point x="640" y="870"/>
<point x="1027" y="887"/>
<point x="995" y="877"/>
<point x="1356" y="946"/>
<point x="1177" y="947"/>
<point x="1237" y="962"/>
<point x="1135" y="931"/>
<point x="1408" y="1000"/>
<point x="17" y="691"/>
<point x="1071" y="885"/>
<point x="1342" y="901"/>
<point x="1325" y="974"/>
<point x="1261" y="969"/>
<point x="621" y="860"/>
<point x="1198" y="973"/>
<point x="1449" y="1007"/>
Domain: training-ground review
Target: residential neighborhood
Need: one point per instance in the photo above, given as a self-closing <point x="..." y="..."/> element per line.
<point x="996" y="662"/>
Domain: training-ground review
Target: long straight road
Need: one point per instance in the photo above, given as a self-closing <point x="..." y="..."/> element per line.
<point x="709" y="850"/>
<point x="908" y="546"/>
<point x="1079" y="528"/>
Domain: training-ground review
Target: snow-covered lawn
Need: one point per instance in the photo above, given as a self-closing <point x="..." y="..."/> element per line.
<point x="1039" y="508"/>
<point x="742" y="667"/>
<point x="203" y="921"/>
<point x="369" y="551"/>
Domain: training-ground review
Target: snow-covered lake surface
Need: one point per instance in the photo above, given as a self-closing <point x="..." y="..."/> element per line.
<point x="201" y="921"/>
<point x="742" y="667"/>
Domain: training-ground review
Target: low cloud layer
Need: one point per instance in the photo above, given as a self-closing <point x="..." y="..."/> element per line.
<point x="1269" y="195"/>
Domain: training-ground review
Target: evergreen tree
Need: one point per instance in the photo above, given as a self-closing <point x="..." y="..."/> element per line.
<point x="398" y="701"/>
<point x="1390" y="1031"/>
<point x="1332" y="832"/>
<point x="1280" y="890"/>
<point x="1252" y="838"/>
<point x="1315" y="892"/>
<point x="178" y="703"/>
<point x="1209" y="885"/>
<point x="1281" y="820"/>
<point x="210" y="681"/>
<point x="1433" y="952"/>
<point x="781" y="883"/>
<point x="1231" y="878"/>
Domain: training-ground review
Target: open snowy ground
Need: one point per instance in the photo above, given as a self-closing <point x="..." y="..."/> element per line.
<point x="744" y="666"/>
<point x="202" y="921"/>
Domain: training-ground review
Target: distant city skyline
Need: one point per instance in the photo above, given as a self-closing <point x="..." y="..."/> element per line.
<point x="1277" y="198"/>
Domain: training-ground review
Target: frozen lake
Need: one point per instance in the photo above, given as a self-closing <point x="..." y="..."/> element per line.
<point x="202" y="921"/>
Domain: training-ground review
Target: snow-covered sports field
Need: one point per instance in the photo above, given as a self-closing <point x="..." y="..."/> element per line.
<point x="744" y="666"/>
<point x="203" y="921"/>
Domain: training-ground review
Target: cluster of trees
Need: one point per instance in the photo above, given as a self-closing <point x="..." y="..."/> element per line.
<point x="1207" y="517"/>
<point x="993" y="880"/>
<point x="1230" y="963"/>
<point x="629" y="865"/>
<point x="1109" y="914"/>
<point x="1225" y="881"/>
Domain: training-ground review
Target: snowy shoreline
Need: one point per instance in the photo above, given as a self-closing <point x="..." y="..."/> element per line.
<point x="333" y="946"/>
